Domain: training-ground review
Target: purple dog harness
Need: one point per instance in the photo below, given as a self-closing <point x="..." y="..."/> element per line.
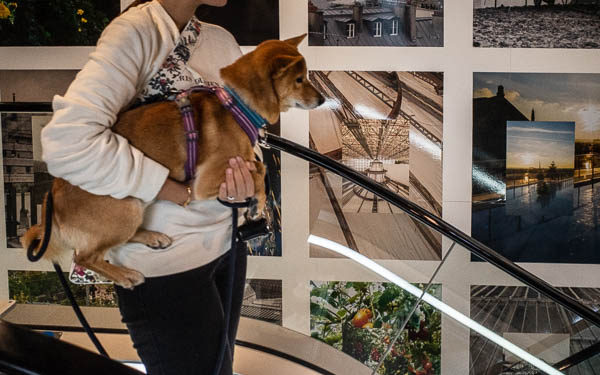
<point x="250" y="121"/>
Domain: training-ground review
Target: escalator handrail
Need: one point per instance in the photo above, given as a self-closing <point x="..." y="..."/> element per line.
<point x="26" y="352"/>
<point x="423" y="216"/>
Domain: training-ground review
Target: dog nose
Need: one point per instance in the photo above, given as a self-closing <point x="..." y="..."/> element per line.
<point x="321" y="99"/>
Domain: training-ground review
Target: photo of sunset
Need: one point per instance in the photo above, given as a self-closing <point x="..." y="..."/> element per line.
<point x="536" y="159"/>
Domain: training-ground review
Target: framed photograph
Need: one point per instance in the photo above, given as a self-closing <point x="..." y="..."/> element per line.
<point x="388" y="126"/>
<point x="362" y="318"/>
<point x="529" y="320"/>
<point x="26" y="177"/>
<point x="536" y="159"/>
<point x="407" y="23"/>
<point x="262" y="300"/>
<point x="250" y="21"/>
<point x="55" y="22"/>
<point x="536" y="23"/>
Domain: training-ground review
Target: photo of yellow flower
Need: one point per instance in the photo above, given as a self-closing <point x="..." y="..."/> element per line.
<point x="4" y="11"/>
<point x="55" y="22"/>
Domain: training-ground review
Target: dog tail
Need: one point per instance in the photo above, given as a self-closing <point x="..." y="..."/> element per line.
<point x="37" y="239"/>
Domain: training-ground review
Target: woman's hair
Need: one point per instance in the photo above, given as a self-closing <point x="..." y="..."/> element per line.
<point x="136" y="3"/>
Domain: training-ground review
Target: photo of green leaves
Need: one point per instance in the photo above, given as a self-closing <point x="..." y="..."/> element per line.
<point x="362" y="318"/>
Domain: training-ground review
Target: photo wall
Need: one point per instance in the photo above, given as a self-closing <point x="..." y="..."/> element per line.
<point x="484" y="114"/>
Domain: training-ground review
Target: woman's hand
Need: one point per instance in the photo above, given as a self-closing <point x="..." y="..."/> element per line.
<point x="175" y="192"/>
<point x="239" y="183"/>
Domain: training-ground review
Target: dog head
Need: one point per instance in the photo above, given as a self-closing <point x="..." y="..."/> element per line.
<point x="272" y="78"/>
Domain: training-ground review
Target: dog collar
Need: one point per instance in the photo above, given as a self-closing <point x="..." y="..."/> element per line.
<point x="251" y="122"/>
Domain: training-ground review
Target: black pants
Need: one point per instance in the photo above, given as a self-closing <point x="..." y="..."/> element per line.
<point x="176" y="321"/>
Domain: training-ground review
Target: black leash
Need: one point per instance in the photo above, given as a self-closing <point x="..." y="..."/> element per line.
<point x="34" y="257"/>
<point x="78" y="311"/>
<point x="228" y="298"/>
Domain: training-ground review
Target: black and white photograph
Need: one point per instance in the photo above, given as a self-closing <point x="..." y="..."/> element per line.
<point x="262" y="300"/>
<point x="400" y="23"/>
<point x="388" y="126"/>
<point x="533" y="322"/>
<point x="536" y="23"/>
<point x="536" y="139"/>
<point x="26" y="177"/>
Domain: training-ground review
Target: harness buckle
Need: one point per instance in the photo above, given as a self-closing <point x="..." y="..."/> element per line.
<point x="183" y="100"/>
<point x="262" y="139"/>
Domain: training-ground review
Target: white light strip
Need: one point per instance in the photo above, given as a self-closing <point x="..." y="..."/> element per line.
<point x="454" y="314"/>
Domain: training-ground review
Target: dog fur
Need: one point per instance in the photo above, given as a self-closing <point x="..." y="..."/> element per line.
<point x="270" y="79"/>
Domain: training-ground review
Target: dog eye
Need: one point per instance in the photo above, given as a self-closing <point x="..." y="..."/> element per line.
<point x="299" y="80"/>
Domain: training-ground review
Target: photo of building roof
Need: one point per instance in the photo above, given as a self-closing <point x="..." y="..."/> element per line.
<point x="376" y="23"/>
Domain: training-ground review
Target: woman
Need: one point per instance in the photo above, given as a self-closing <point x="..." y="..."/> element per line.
<point x="155" y="48"/>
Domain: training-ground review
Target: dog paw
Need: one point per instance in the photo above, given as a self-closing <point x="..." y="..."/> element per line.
<point x="131" y="279"/>
<point x="154" y="240"/>
<point x="160" y="242"/>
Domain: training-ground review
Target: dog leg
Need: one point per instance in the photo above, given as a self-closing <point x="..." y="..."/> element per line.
<point x="154" y="240"/>
<point x="257" y="206"/>
<point x="94" y="260"/>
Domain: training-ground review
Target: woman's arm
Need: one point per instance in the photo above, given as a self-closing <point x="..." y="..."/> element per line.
<point x="78" y="144"/>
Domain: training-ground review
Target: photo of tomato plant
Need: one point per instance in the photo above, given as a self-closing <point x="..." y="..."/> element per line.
<point x="55" y="22"/>
<point x="361" y="319"/>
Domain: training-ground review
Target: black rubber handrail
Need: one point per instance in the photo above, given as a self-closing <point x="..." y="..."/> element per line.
<point x="437" y="224"/>
<point x="17" y="360"/>
<point x="579" y="357"/>
<point x="26" y="352"/>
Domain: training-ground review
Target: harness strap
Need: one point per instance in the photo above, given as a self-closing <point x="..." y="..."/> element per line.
<point x="251" y="122"/>
<point x="191" y="134"/>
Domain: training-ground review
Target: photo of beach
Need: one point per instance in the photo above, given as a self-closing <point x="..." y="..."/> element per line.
<point x="536" y="23"/>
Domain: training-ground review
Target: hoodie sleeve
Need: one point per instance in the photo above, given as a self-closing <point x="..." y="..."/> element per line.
<point x="78" y="144"/>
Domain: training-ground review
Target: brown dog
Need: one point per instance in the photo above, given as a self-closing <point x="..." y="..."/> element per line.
<point x="270" y="79"/>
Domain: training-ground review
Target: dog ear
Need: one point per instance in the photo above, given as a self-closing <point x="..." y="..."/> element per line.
<point x="295" y="41"/>
<point x="282" y="64"/>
